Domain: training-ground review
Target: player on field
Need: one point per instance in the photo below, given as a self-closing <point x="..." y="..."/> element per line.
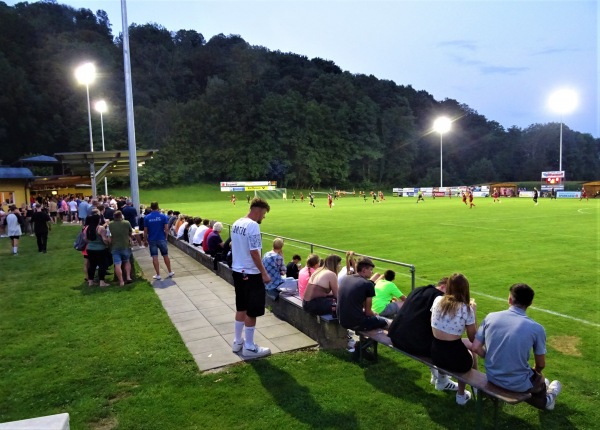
<point x="329" y="200"/>
<point x="535" y="195"/>
<point x="464" y="197"/>
<point x="495" y="196"/>
<point x="293" y="197"/>
<point x="301" y="197"/>
<point x="471" y="204"/>
<point x="584" y="195"/>
<point x="233" y="199"/>
<point x="420" y="197"/>
<point x="311" y="197"/>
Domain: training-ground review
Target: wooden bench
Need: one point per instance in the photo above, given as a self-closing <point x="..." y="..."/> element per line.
<point x="474" y="378"/>
<point x="325" y="329"/>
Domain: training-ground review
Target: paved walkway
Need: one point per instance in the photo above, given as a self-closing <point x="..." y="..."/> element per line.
<point x="201" y="306"/>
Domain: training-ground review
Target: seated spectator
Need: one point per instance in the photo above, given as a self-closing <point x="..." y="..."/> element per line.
<point x="181" y="228"/>
<point x="192" y="230"/>
<point x="451" y="315"/>
<point x="355" y="298"/>
<point x="505" y="339"/>
<point x="206" y="233"/>
<point x="199" y="235"/>
<point x="411" y="329"/>
<point x="349" y="268"/>
<point x="293" y="267"/>
<point x="388" y="298"/>
<point x="312" y="264"/>
<point x="273" y="262"/>
<point x="214" y="242"/>
<point x="177" y="224"/>
<point x="322" y="290"/>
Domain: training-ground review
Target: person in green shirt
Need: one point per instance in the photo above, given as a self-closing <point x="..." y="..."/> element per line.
<point x="388" y="298"/>
<point x="120" y="247"/>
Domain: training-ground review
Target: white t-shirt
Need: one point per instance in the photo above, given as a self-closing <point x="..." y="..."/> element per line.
<point x="192" y="232"/>
<point x="343" y="273"/>
<point x="181" y="230"/>
<point x="199" y="235"/>
<point x="13" y="228"/>
<point x="448" y="323"/>
<point x="72" y="206"/>
<point x="245" y="237"/>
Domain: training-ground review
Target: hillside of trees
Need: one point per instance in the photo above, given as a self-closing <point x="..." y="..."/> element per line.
<point x="225" y="110"/>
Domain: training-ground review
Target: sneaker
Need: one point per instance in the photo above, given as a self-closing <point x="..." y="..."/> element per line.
<point x="443" y="383"/>
<point x="171" y="274"/>
<point x="462" y="400"/>
<point x="255" y="352"/>
<point x="156" y="277"/>
<point x="237" y="347"/>
<point x="552" y="393"/>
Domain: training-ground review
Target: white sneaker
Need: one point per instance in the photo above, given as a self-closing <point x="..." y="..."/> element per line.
<point x="171" y="274"/>
<point x="462" y="400"/>
<point x="156" y="277"/>
<point x="552" y="393"/>
<point x="443" y="383"/>
<point x="237" y="347"/>
<point x="255" y="352"/>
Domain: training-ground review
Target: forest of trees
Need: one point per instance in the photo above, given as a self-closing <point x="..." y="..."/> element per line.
<point x="225" y="110"/>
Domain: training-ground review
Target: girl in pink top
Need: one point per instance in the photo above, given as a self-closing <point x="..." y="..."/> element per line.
<point x="312" y="264"/>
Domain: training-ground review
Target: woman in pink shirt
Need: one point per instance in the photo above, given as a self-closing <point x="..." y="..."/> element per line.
<point x="312" y="264"/>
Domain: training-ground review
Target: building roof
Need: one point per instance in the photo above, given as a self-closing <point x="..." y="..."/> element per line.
<point x="39" y="159"/>
<point x="15" y="173"/>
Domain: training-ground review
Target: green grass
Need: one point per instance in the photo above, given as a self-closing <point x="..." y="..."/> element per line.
<point x="112" y="359"/>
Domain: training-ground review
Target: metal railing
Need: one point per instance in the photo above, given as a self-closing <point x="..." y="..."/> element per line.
<point x="310" y="247"/>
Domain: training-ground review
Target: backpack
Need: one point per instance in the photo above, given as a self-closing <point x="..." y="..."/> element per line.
<point x="81" y="240"/>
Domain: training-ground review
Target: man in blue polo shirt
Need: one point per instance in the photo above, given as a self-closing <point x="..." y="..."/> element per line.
<point x="155" y="235"/>
<point x="505" y="339"/>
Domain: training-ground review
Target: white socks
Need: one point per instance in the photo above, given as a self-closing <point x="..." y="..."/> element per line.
<point x="249" y="331"/>
<point x="239" y="328"/>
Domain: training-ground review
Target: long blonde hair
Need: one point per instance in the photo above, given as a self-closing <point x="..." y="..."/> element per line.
<point x="331" y="263"/>
<point x="457" y="294"/>
<point x="350" y="262"/>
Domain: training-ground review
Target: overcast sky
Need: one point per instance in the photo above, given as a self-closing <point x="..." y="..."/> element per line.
<point x="502" y="58"/>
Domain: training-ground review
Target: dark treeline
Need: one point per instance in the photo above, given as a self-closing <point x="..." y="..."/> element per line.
<point x="225" y="110"/>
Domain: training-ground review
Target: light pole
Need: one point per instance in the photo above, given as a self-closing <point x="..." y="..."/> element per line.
<point x="85" y="74"/>
<point x="441" y="125"/>
<point x="562" y="101"/>
<point x="101" y="107"/>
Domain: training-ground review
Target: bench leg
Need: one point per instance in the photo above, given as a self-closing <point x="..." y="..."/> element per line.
<point x="364" y="344"/>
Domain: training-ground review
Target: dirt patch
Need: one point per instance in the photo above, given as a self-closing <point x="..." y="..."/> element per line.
<point x="568" y="345"/>
<point x="108" y="423"/>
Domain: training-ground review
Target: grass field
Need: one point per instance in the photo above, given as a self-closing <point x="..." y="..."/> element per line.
<point x="113" y="360"/>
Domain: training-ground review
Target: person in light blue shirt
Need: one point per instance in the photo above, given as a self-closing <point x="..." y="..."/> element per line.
<point x="505" y="339"/>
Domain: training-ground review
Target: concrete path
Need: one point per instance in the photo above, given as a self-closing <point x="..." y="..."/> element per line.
<point x="201" y="306"/>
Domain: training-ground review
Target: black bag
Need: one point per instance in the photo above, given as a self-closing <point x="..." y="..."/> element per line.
<point x="80" y="241"/>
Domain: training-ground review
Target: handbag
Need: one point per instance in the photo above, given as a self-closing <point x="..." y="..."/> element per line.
<point x="81" y="240"/>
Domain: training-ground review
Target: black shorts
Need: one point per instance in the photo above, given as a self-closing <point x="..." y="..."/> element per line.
<point x="319" y="305"/>
<point x="249" y="294"/>
<point x="451" y="355"/>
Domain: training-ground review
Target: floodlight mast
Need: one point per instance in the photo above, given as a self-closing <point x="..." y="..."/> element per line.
<point x="563" y="101"/>
<point x="85" y="74"/>
<point x="101" y="107"/>
<point x="442" y="125"/>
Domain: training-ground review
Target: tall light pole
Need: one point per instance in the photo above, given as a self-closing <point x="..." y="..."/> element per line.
<point x="442" y="125"/>
<point x="101" y="107"/>
<point x="562" y="101"/>
<point x="85" y="74"/>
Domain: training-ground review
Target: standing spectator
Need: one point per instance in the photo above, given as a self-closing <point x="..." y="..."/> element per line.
<point x="274" y="265"/>
<point x="249" y="278"/>
<point x="13" y="223"/>
<point x="451" y="315"/>
<point x="505" y="339"/>
<point x="156" y="231"/>
<point x="41" y="225"/>
<point x="109" y="211"/>
<point x="73" y="210"/>
<point x="98" y="240"/>
<point x="388" y="298"/>
<point x="411" y="329"/>
<point x="312" y="264"/>
<point x="82" y="210"/>
<point x="292" y="270"/>
<point x="355" y="297"/>
<point x="53" y="209"/>
<point x="120" y="247"/>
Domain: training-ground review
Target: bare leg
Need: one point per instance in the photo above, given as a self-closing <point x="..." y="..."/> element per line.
<point x="127" y="270"/>
<point x="167" y="263"/>
<point x="156" y="265"/>
<point x="119" y="274"/>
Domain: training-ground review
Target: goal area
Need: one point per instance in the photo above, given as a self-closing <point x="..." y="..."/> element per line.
<point x="277" y="193"/>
